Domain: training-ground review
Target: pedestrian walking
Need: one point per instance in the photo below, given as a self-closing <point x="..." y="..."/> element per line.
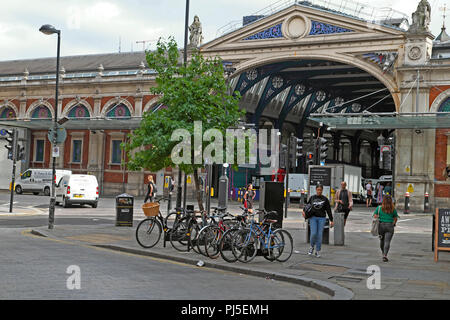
<point x="380" y="193"/>
<point x="388" y="189"/>
<point x="344" y="201"/>
<point x="249" y="196"/>
<point x="387" y="215"/>
<point x="320" y="207"/>
<point x="369" y="194"/>
<point x="151" y="189"/>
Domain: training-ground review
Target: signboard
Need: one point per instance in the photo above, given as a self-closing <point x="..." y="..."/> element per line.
<point x="442" y="232"/>
<point x="55" y="153"/>
<point x="410" y="188"/>
<point x="61" y="135"/>
<point x="320" y="175"/>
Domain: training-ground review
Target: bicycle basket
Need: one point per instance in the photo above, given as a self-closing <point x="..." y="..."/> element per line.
<point x="151" y="209"/>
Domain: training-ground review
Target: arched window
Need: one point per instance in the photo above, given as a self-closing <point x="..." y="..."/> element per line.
<point x="79" y="112"/>
<point x="41" y="112"/>
<point x="7" y="113"/>
<point x="119" y="111"/>
<point x="445" y="107"/>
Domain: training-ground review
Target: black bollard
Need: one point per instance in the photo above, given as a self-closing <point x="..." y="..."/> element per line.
<point x="426" y="205"/>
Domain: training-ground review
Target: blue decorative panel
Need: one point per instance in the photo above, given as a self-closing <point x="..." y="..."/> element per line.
<point x="79" y="111"/>
<point x="41" y="112"/>
<point x="318" y="28"/>
<point x="7" y="113"/>
<point x="119" y="111"/>
<point x="445" y="107"/>
<point x="270" y="33"/>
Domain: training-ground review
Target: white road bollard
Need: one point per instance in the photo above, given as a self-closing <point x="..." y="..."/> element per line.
<point x="339" y="233"/>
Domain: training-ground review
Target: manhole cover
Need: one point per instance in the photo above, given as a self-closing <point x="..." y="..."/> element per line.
<point x="346" y="279"/>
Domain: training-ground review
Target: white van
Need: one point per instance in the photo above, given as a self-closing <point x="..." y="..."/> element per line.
<point x="38" y="180"/>
<point x="77" y="189"/>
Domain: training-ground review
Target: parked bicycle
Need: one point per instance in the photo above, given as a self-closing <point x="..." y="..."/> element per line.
<point x="149" y="230"/>
<point x="246" y="242"/>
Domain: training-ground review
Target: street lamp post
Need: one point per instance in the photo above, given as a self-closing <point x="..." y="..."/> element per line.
<point x="179" y="188"/>
<point x="48" y="30"/>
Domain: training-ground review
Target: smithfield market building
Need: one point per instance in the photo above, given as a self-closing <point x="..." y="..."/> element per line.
<point x="357" y="73"/>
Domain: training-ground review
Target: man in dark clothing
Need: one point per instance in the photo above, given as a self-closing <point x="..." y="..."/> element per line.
<point x="344" y="201"/>
<point x="320" y="208"/>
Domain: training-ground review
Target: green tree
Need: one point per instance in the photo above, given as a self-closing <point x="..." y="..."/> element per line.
<point x="193" y="92"/>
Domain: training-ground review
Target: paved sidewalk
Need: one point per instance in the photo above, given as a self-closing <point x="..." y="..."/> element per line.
<point x="341" y="272"/>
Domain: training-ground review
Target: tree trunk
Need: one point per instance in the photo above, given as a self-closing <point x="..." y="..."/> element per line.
<point x="198" y="191"/>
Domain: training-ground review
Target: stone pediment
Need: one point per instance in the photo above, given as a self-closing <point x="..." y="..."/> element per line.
<point x="301" y="25"/>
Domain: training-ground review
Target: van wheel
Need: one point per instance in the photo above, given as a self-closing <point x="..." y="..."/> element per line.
<point x="47" y="191"/>
<point x="65" y="203"/>
<point x="94" y="205"/>
<point x="19" y="190"/>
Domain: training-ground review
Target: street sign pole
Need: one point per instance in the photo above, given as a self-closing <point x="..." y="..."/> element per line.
<point x="13" y="178"/>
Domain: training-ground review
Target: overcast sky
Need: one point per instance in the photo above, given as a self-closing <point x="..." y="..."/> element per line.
<point x="95" y="26"/>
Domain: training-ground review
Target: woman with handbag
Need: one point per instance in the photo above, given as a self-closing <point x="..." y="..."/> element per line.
<point x="150" y="189"/>
<point x="320" y="207"/>
<point x="387" y="216"/>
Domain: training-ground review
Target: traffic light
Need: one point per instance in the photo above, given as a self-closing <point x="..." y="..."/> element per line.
<point x="283" y="156"/>
<point x="322" y="150"/>
<point x="310" y="158"/>
<point x="295" y="152"/>
<point x="20" y="155"/>
<point x="10" y="143"/>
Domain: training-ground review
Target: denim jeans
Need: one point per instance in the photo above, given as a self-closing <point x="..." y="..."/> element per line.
<point x="317" y="225"/>
<point x="386" y="231"/>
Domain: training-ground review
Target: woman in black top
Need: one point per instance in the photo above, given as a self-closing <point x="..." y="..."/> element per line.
<point x="320" y="208"/>
<point x="249" y="196"/>
<point x="150" y="189"/>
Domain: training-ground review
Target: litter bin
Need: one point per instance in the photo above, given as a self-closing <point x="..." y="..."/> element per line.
<point x="124" y="210"/>
<point x="325" y="235"/>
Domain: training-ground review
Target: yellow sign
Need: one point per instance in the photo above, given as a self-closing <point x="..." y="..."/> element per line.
<point x="410" y="188"/>
<point x="189" y="180"/>
<point x="166" y="182"/>
<point x="407" y="169"/>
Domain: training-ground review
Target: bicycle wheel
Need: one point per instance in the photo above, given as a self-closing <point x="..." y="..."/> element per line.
<point x="245" y="245"/>
<point x="179" y="235"/>
<point x="225" y="245"/>
<point x="201" y="240"/>
<point x="281" y="245"/>
<point x="148" y="232"/>
<point x="212" y="241"/>
<point x="194" y="230"/>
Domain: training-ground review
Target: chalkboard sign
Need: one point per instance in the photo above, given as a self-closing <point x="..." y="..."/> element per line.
<point x="442" y="232"/>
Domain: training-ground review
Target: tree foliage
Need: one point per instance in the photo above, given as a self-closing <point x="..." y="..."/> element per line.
<point x="193" y="92"/>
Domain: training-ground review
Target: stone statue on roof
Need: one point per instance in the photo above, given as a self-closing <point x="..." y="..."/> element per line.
<point x="196" y="38"/>
<point x="421" y="18"/>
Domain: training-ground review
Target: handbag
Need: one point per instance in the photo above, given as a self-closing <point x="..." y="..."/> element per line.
<point x="307" y="209"/>
<point x="375" y="224"/>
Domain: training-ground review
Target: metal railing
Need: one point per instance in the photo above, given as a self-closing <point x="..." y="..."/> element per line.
<point x="349" y="8"/>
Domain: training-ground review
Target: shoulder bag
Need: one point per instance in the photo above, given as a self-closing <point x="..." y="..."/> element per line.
<point x="376" y="224"/>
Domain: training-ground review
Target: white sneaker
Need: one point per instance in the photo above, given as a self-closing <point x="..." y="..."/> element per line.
<point x="310" y="251"/>
<point x="318" y="254"/>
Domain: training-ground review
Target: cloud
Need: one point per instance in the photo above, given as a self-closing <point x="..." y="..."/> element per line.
<point x="95" y="26"/>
